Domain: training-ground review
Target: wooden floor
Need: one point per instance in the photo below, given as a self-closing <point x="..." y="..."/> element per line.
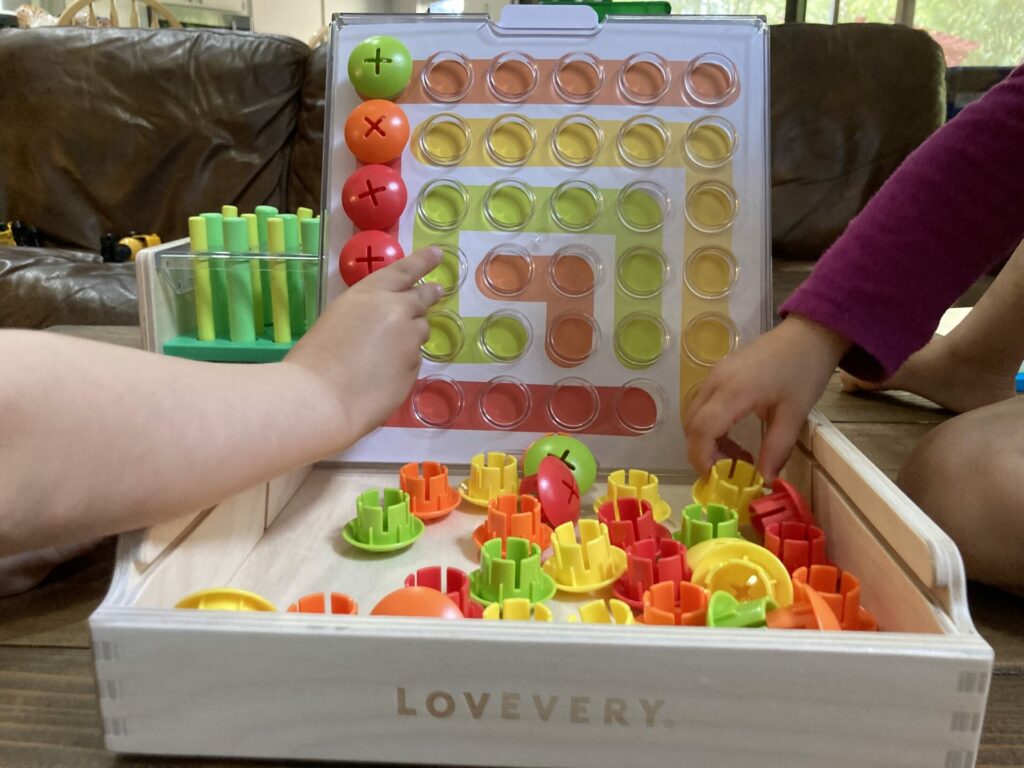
<point x="48" y="709"/>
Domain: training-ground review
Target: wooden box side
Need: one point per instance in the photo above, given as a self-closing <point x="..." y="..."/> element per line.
<point x="925" y="551"/>
<point x="395" y="690"/>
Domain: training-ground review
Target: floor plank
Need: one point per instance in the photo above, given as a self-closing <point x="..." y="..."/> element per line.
<point x="1002" y="739"/>
<point x="877" y="408"/>
<point x="49" y="714"/>
<point x="886" y="445"/>
<point x="999" y="617"/>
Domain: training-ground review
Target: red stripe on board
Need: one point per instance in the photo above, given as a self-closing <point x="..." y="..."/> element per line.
<point x="438" y="404"/>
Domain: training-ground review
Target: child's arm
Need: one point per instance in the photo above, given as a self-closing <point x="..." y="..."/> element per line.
<point x="779" y="377"/>
<point x="953" y="208"/>
<point x="96" y="439"/>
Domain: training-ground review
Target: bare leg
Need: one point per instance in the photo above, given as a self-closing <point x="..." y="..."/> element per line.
<point x="975" y="364"/>
<point x="968" y="475"/>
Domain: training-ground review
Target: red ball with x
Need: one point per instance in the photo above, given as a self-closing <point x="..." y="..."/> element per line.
<point x="367" y="252"/>
<point x="374" y="197"/>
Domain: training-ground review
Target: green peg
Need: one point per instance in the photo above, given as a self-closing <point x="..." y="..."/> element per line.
<point x="253" y="229"/>
<point x="310" y="231"/>
<point x="278" y="282"/>
<point x="263" y="213"/>
<point x="303" y="214"/>
<point x="201" y="279"/>
<point x="240" y="298"/>
<point x="296" y="302"/>
<point x="218" y="273"/>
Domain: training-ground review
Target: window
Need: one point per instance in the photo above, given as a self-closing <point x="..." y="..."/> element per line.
<point x="979" y="33"/>
<point x="972" y="33"/>
<point x="773" y="10"/>
<point x="846" y="11"/>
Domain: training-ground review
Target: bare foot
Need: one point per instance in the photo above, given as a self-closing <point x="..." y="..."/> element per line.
<point x="943" y="374"/>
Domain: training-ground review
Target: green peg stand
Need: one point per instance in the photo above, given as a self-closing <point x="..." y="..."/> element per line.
<point x="383" y="522"/>
<point x="714" y="521"/>
<point x="516" y="572"/>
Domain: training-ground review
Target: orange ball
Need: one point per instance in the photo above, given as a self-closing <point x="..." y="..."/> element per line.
<point x="377" y="131"/>
<point x="417" y="601"/>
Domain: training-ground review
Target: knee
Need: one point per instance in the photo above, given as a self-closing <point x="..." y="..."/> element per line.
<point x="963" y="459"/>
<point x="940" y="464"/>
<point x="968" y="484"/>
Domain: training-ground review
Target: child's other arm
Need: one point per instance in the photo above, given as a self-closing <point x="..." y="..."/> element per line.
<point x="949" y="212"/>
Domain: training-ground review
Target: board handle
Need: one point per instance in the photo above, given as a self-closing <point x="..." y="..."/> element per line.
<point x="558" y="20"/>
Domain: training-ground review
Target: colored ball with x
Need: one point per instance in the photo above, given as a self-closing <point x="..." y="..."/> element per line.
<point x="556" y="488"/>
<point x="380" y="67"/>
<point x="572" y="451"/>
<point x="367" y="252"/>
<point x="377" y="131"/>
<point x="374" y="197"/>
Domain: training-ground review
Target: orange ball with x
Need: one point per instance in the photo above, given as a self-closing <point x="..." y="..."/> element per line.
<point x="377" y="131"/>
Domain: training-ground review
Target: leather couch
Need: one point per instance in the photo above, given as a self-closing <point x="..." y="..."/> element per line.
<point x="118" y="130"/>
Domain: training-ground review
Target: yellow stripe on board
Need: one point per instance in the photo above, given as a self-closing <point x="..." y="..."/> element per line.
<point x="582" y="141"/>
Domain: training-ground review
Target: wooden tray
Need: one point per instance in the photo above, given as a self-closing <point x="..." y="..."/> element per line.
<point x="278" y="685"/>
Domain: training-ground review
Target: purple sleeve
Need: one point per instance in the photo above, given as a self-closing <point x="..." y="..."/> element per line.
<point x="953" y="209"/>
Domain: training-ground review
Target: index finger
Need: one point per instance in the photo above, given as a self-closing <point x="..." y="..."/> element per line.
<point x="706" y="426"/>
<point x="404" y="273"/>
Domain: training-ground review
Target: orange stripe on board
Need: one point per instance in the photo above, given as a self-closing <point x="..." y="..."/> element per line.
<point x="449" y="77"/>
<point x="571" y="338"/>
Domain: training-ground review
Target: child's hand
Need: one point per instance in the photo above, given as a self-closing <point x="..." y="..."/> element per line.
<point x="366" y="344"/>
<point x="780" y="377"/>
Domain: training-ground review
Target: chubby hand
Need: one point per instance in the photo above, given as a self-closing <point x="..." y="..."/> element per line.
<point x="779" y="377"/>
<point x="366" y="344"/>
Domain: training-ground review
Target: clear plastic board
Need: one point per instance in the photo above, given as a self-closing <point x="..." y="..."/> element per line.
<point x="599" y="191"/>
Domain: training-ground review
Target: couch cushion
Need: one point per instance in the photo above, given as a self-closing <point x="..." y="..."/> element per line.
<point x="40" y="287"/>
<point x="848" y="103"/>
<point x="117" y="130"/>
<point x="304" y="173"/>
